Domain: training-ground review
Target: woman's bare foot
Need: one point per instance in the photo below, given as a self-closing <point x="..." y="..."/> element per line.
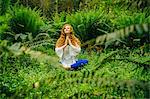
<point x="66" y="67"/>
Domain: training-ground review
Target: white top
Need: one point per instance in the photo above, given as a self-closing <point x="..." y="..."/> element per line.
<point x="67" y="54"/>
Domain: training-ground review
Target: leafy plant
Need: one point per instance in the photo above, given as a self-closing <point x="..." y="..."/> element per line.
<point x="4" y="5"/>
<point x="139" y="31"/>
<point x="34" y="71"/>
<point x="133" y="36"/>
<point x="40" y="40"/>
<point x="108" y="75"/>
<point x="87" y="24"/>
<point x="26" y="20"/>
<point x="126" y="18"/>
<point x="4" y="25"/>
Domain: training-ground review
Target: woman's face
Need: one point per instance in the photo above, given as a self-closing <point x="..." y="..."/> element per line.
<point x="67" y="29"/>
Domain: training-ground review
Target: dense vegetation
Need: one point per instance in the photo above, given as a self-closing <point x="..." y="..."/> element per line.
<point x="115" y="37"/>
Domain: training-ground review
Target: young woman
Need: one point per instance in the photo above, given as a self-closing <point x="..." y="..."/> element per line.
<point x="68" y="47"/>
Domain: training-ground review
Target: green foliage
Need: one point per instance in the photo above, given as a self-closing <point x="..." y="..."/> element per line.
<point x="39" y="40"/>
<point x="4" y="25"/>
<point x="8" y="49"/>
<point x="50" y="7"/>
<point x="108" y="75"/>
<point x="89" y="24"/>
<point x="58" y="20"/>
<point x="31" y="69"/>
<point x="4" y="5"/>
<point x="26" y="20"/>
<point x="121" y="19"/>
<point x="12" y="83"/>
<point x="86" y="23"/>
<point x="127" y="4"/>
<point x="139" y="32"/>
<point x="48" y="49"/>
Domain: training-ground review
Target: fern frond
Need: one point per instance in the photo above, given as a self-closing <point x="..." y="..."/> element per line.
<point x="110" y="38"/>
<point x="39" y="40"/>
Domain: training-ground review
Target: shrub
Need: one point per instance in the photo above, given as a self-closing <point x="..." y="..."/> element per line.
<point x="122" y="19"/>
<point x="86" y="24"/>
<point x="26" y="20"/>
<point x="4" y="4"/>
<point x="4" y="25"/>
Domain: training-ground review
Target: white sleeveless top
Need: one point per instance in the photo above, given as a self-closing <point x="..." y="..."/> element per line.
<point x="68" y="54"/>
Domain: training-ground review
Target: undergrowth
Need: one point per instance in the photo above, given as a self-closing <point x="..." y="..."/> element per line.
<point x="109" y="74"/>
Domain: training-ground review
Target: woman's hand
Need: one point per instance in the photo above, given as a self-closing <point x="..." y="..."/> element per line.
<point x="67" y="40"/>
<point x="76" y="45"/>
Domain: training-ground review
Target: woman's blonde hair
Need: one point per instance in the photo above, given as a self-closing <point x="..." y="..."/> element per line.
<point x="61" y="41"/>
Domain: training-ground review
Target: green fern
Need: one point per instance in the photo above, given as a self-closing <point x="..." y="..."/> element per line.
<point x="86" y="24"/>
<point x="4" y="5"/>
<point x="138" y="31"/>
<point x="40" y="40"/>
<point x="127" y="18"/>
<point x="104" y="76"/>
<point x="4" y="25"/>
<point x="26" y="20"/>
